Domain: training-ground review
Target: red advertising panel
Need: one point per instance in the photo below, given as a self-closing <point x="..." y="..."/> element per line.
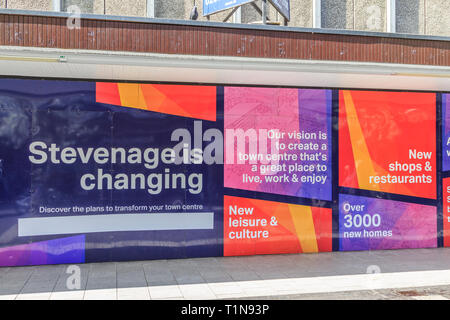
<point x="387" y="142"/>
<point x="266" y="227"/>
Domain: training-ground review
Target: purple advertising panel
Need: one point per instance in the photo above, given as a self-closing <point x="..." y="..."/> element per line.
<point x="377" y="224"/>
<point x="278" y="141"/>
<point x="446" y="132"/>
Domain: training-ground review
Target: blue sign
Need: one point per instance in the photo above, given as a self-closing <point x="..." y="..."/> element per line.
<point x="213" y="6"/>
<point x="59" y="190"/>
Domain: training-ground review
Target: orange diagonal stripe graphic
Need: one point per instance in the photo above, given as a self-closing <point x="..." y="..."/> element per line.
<point x="304" y="227"/>
<point x="363" y="162"/>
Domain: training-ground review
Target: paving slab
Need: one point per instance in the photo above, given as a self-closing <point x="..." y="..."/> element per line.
<point x="422" y="274"/>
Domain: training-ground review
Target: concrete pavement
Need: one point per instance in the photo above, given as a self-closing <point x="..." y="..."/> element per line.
<point x="397" y="274"/>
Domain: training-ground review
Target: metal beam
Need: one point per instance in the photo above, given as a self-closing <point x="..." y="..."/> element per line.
<point x="254" y="5"/>
<point x="264" y="11"/>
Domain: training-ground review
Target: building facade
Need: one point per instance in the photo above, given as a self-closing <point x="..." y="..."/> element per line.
<point x="428" y="17"/>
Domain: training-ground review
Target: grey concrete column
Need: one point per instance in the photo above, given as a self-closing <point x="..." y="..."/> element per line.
<point x="301" y="13"/>
<point x="39" y="5"/>
<point x="370" y="15"/>
<point x="437" y="16"/>
<point x="264" y="11"/>
<point x="337" y="14"/>
<point x="410" y="16"/>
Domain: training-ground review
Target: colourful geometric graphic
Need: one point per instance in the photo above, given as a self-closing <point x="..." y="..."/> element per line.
<point x="57" y="251"/>
<point x="276" y="144"/>
<point x="181" y="100"/>
<point x="265" y="227"/>
<point x="446" y="210"/>
<point x="379" y="224"/>
<point x="446" y="132"/>
<point x="301" y="120"/>
<point x="387" y="142"/>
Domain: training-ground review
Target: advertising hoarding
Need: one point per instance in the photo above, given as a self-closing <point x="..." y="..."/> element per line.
<point x="103" y="171"/>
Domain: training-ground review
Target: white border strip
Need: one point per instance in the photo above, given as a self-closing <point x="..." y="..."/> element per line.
<point x="56" y="5"/>
<point x="391" y="16"/>
<point x="317" y="13"/>
<point x="118" y="66"/>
